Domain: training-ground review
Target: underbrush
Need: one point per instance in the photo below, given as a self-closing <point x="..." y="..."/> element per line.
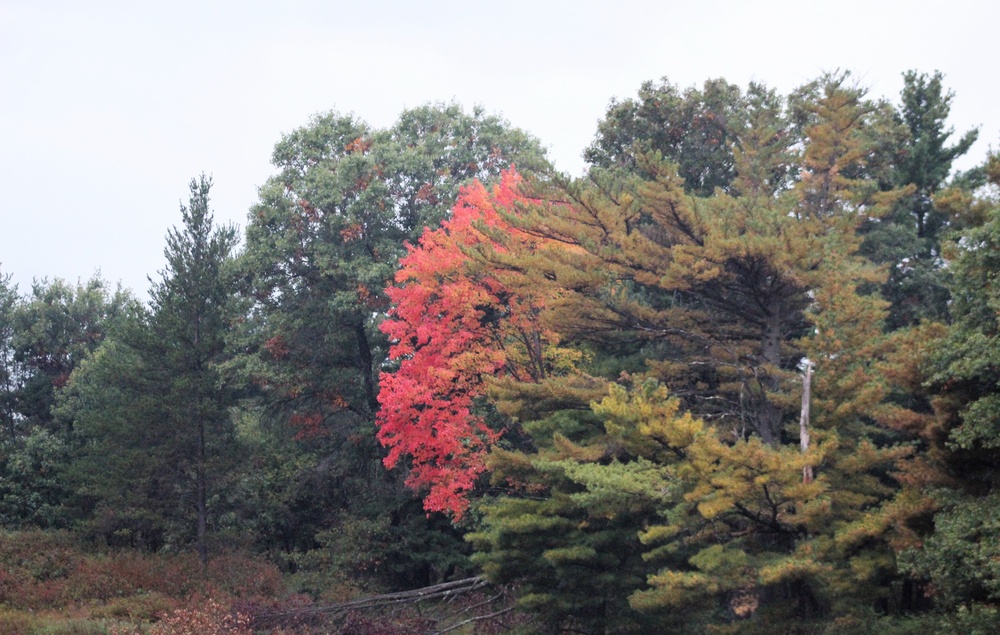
<point x="51" y="584"/>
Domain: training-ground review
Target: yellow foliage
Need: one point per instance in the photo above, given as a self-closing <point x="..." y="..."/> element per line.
<point x="792" y="568"/>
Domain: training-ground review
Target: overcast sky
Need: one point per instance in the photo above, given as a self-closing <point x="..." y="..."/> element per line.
<point x="108" y="109"/>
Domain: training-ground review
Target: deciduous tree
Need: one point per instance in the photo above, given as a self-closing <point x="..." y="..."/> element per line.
<point x="454" y="323"/>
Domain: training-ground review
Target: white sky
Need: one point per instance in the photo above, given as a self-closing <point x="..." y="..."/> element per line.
<point x="108" y="109"/>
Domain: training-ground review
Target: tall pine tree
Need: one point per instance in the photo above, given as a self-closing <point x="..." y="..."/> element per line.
<point x="188" y="326"/>
<point x="150" y="406"/>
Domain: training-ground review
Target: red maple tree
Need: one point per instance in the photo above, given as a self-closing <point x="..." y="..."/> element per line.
<point x="450" y="325"/>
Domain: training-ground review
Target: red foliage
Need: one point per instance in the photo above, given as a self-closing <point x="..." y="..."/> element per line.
<point x="49" y="571"/>
<point x="308" y="425"/>
<point x="447" y="326"/>
<point x="277" y="347"/>
<point x="210" y="618"/>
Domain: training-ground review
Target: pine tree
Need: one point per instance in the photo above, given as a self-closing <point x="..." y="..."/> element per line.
<point x="721" y="297"/>
<point x="909" y="239"/>
<point x="151" y="405"/>
<point x="696" y="128"/>
<point x="190" y="316"/>
<point x="957" y="557"/>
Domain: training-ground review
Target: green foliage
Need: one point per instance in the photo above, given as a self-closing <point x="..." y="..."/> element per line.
<point x="698" y="129"/>
<point x="151" y="413"/>
<point x="575" y="570"/>
<point x="9" y="372"/>
<point x="927" y="164"/>
<point x="57" y="328"/>
<point x="190" y="313"/>
<point x="325" y="239"/>
<point x="33" y="490"/>
<point x="367" y="554"/>
<point x="909" y="240"/>
<point x="965" y="364"/>
<point x="44" y="338"/>
<point x="566" y="526"/>
<point x="959" y="557"/>
<point x="114" y="403"/>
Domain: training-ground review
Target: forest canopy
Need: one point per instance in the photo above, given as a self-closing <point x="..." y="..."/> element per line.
<point x="738" y="378"/>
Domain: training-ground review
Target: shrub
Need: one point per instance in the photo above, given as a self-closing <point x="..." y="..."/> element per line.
<point x="147" y="607"/>
<point x="245" y="577"/>
<point x="103" y="578"/>
<point x="19" y="623"/>
<point x="210" y="618"/>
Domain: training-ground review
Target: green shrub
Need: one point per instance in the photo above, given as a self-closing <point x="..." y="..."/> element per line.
<point x="147" y="607"/>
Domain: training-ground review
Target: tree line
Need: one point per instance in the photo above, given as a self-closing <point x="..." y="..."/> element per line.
<point x="738" y="378"/>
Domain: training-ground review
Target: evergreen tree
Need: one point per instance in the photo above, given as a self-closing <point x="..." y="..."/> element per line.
<point x="190" y="317"/>
<point x="9" y="373"/>
<point x="743" y="524"/>
<point x="909" y="239"/>
<point x="150" y="406"/>
<point x="959" y="557"/>
<point x="698" y="129"/>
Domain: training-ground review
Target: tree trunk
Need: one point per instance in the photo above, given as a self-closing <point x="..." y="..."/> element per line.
<point x="807" y="471"/>
<point x="365" y="363"/>
<point x="769" y="415"/>
<point x="201" y="487"/>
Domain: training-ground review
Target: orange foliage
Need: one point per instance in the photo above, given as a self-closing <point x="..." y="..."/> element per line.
<point x="352" y="233"/>
<point x="361" y="144"/>
<point x="453" y="325"/>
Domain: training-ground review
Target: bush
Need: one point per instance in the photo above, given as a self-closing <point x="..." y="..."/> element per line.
<point x="210" y="618"/>
<point x="19" y="623"/>
<point x="50" y="570"/>
<point x="242" y="576"/>
<point x="147" y="607"/>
